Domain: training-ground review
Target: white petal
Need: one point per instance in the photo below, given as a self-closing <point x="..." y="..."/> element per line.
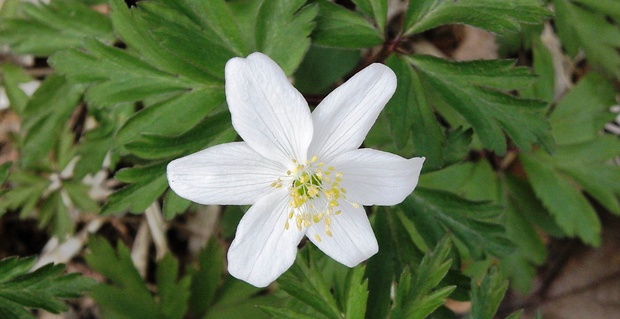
<point x="263" y="249"/>
<point x="344" y="117"/>
<point x="352" y="239"/>
<point x="224" y="174"/>
<point x="373" y="177"/>
<point x="267" y="111"/>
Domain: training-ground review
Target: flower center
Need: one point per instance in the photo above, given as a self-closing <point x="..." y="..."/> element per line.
<point x="315" y="194"/>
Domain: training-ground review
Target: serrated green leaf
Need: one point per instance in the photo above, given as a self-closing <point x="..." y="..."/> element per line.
<point x="173" y="205"/>
<point x="41" y="288"/>
<point x="379" y="283"/>
<point x="475" y="224"/>
<point x="570" y="208"/>
<point x="377" y="9"/>
<point x="79" y="195"/>
<point x="173" y="294"/>
<point x="588" y="163"/>
<point x="523" y="198"/>
<point x="128" y="297"/>
<point x="595" y="33"/>
<point x="25" y="197"/>
<point x="148" y="183"/>
<point x="45" y="117"/>
<point x="322" y="67"/>
<point x="237" y="299"/>
<point x="492" y="15"/>
<point x="283" y="29"/>
<point x="515" y="315"/>
<point x="285" y="313"/>
<point x="411" y="115"/>
<point x="98" y="143"/>
<point x="12" y="77"/>
<point x="205" y="281"/>
<point x="544" y="86"/>
<point x="357" y="294"/>
<point x="487" y="296"/>
<point x="171" y="25"/>
<point x="474" y="90"/>
<point x="174" y="116"/>
<point x="582" y="113"/>
<point x="4" y="172"/>
<point x="531" y="253"/>
<point x="43" y="29"/>
<point x="212" y="130"/>
<point x="53" y="213"/>
<point x="472" y="180"/>
<point x="417" y="293"/>
<point x="411" y="230"/>
<point x="456" y="146"/>
<point x="342" y="28"/>
<point x="308" y="286"/>
<point x="133" y="29"/>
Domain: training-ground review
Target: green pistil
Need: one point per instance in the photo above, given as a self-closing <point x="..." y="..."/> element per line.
<point x="308" y="185"/>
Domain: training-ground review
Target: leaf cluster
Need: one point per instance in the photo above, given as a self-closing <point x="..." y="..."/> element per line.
<point x="21" y="288"/>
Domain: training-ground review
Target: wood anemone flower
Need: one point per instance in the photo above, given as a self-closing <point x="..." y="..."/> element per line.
<point x="302" y="172"/>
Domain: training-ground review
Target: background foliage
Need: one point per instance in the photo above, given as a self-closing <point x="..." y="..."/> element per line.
<point x="515" y="147"/>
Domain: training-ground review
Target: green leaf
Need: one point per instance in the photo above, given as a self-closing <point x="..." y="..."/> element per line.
<point x="570" y="208"/>
<point x="132" y="26"/>
<point x="492" y="15"/>
<point x="45" y="117"/>
<point x="531" y="253"/>
<point x="212" y="130"/>
<point x="126" y="296"/>
<point x="53" y="213"/>
<point x="377" y="9"/>
<point x="472" y="180"/>
<point x="486" y="297"/>
<point x="581" y="162"/>
<point x="4" y="171"/>
<point x="474" y="224"/>
<point x="474" y="90"/>
<point x="119" y="76"/>
<point x="173" y="294"/>
<point x="25" y="195"/>
<point x="206" y="279"/>
<point x="308" y="286"/>
<point x="322" y="67"/>
<point x="43" y="29"/>
<point x="148" y="183"/>
<point x="411" y="115"/>
<point x="342" y="28"/>
<point x="174" y="205"/>
<point x="582" y="113"/>
<point x="237" y="299"/>
<point x="285" y="313"/>
<point x="589" y="165"/>
<point x="79" y="195"/>
<point x="544" y="86"/>
<point x="356" y="294"/>
<point x="523" y="198"/>
<point x="98" y="143"/>
<point x="169" y="118"/>
<point x="283" y="29"/>
<point x="42" y="288"/>
<point x="418" y="294"/>
<point x="12" y="76"/>
<point x="398" y="251"/>
<point x="596" y="33"/>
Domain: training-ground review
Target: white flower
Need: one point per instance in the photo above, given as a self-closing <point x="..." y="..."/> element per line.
<point x="303" y="172"/>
